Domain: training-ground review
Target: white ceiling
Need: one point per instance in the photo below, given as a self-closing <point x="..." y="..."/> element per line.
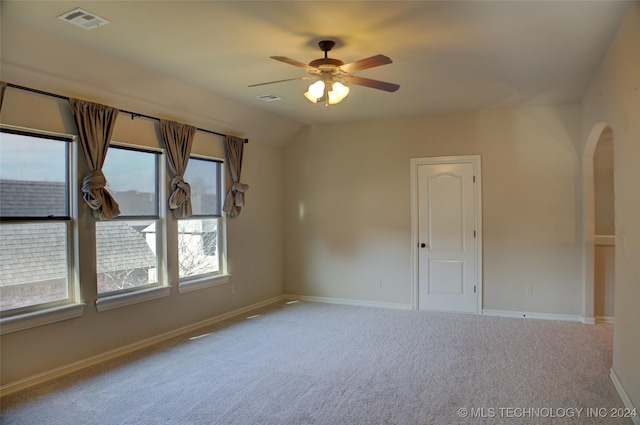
<point x="447" y="56"/>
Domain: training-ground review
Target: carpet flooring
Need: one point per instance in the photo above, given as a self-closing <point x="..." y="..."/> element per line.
<point x="312" y="363"/>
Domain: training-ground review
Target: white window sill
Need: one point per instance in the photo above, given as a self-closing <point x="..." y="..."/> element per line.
<point x="39" y="318"/>
<point x="203" y="282"/>
<point x="110" y="302"/>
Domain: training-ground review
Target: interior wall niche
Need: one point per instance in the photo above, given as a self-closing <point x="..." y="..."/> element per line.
<point x="604" y="228"/>
<point x="603" y="185"/>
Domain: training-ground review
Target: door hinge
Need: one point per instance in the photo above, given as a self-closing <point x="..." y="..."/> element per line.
<point x="474" y="289"/>
<point x="474" y="233"/>
<point x="474" y="179"/>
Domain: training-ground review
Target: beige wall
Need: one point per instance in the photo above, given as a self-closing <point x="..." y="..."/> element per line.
<point x="255" y="252"/>
<point x="614" y="98"/>
<point x="347" y="205"/>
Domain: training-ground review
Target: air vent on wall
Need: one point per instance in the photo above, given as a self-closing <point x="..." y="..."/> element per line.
<point x="269" y="97"/>
<point x="83" y="19"/>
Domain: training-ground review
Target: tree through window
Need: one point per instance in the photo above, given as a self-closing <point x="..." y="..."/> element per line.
<point x="199" y="237"/>
<point x="127" y="246"/>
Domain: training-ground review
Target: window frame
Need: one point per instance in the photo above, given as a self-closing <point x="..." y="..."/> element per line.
<point x="25" y="317"/>
<point x="116" y="299"/>
<point x="206" y="280"/>
<point x="15" y="320"/>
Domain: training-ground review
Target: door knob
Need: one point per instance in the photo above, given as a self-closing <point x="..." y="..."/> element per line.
<point x="423" y="245"/>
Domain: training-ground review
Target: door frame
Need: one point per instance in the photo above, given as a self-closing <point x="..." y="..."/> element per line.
<point x="477" y="194"/>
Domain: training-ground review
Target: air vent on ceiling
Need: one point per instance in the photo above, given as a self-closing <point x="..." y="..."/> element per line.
<point x="83" y="19"/>
<point x="269" y="97"/>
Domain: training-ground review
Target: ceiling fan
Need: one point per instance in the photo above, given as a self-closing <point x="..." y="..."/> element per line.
<point x="330" y="74"/>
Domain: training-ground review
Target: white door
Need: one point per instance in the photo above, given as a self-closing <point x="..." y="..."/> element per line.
<point x="447" y="234"/>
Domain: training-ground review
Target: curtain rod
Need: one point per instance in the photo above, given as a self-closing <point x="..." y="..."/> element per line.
<point x="133" y="114"/>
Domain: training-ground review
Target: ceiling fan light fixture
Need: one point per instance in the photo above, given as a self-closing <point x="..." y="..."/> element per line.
<point x="338" y="92"/>
<point x="335" y="94"/>
<point x="317" y="89"/>
<point x="310" y="97"/>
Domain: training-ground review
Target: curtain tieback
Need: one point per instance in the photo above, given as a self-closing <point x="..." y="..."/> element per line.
<point x="92" y="185"/>
<point x="181" y="191"/>
<point x="238" y="190"/>
<point x="97" y="197"/>
<point x="94" y="180"/>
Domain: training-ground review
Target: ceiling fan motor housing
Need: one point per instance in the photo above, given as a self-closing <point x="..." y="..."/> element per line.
<point x="326" y="64"/>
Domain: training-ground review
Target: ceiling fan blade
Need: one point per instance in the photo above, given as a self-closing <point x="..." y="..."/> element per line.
<point x="368" y="82"/>
<point x="282" y="81"/>
<point x="295" y="63"/>
<point x="367" y="63"/>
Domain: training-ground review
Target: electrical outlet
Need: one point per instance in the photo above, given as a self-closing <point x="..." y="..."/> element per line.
<point x="379" y="283"/>
<point x="233" y="289"/>
<point x="528" y="290"/>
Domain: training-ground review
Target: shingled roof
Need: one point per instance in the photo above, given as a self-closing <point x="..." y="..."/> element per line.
<point x="121" y="247"/>
<point x="21" y="198"/>
<point x="30" y="252"/>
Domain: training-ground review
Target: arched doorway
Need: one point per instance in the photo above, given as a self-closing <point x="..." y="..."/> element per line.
<point x="598" y="222"/>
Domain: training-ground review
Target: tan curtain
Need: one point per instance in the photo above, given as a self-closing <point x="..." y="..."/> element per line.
<point x="234" y="201"/>
<point x="95" y="125"/>
<point x="3" y="87"/>
<point x="178" y="139"/>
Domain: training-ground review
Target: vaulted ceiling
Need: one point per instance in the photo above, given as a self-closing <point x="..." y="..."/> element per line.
<point x="447" y="56"/>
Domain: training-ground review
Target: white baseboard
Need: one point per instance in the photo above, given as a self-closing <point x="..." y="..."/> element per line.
<point x="604" y="319"/>
<point x="81" y="364"/>
<point x="597" y="319"/>
<point x="532" y="315"/>
<point x="623" y="395"/>
<point x="348" y="301"/>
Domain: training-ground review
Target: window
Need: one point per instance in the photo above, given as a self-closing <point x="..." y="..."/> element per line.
<point x="127" y="246"/>
<point x="36" y="229"/>
<point x="201" y="237"/>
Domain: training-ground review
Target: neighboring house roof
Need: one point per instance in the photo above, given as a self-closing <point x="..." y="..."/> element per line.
<point x="132" y="202"/>
<point x="23" y="198"/>
<point x="33" y="252"/>
<point x="20" y="198"/>
<point x="121" y="247"/>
